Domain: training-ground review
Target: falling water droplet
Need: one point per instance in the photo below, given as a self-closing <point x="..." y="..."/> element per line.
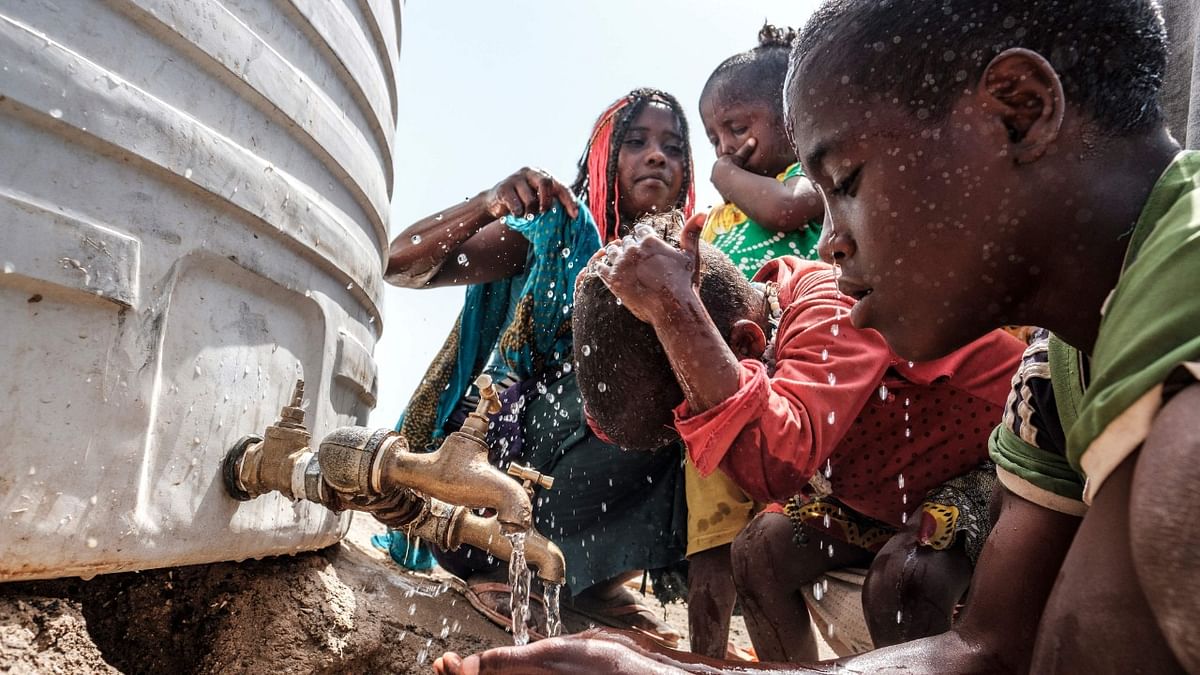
<point x="910" y="364"/>
<point x="602" y="387"/>
<point x="900" y="481"/>
<point x="187" y="173"/>
<point x="899" y="616"/>
<point x="462" y="259"/>
<point x="828" y="467"/>
<point x="416" y="239"/>
<point x="824" y="354"/>
<point x="834" y="329"/>
<point x="56" y="113"/>
<point x="831" y="378"/>
<point x="883" y="392"/>
<point x="830" y="417"/>
<point x="92" y="543"/>
<point x="566" y="252"/>
<point x="818" y="592"/>
<point x="587" y="350"/>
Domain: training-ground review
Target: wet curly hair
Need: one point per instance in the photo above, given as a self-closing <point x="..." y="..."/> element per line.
<point x="626" y="381"/>
<point x="1111" y="55"/>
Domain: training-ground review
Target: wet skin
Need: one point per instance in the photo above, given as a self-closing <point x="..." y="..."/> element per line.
<point x="1009" y="212"/>
<point x="650" y="174"/>
<point x="1009" y="155"/>
<point x="752" y="148"/>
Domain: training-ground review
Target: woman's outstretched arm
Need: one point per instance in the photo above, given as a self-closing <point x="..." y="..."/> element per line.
<point x="468" y="243"/>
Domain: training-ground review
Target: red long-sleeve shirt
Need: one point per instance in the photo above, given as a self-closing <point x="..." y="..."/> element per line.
<point x="823" y="408"/>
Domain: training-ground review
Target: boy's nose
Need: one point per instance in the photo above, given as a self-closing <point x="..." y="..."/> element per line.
<point x="656" y="156"/>
<point x="835" y="246"/>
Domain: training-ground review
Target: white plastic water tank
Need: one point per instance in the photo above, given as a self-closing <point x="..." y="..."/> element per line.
<point x="193" y="214"/>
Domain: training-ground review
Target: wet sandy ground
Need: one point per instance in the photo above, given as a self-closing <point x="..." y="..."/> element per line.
<point x="346" y="609"/>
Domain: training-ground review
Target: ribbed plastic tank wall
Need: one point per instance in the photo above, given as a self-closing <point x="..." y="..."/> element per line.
<point x="193" y="213"/>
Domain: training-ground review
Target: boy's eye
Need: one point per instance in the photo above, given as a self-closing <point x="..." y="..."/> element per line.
<point x="675" y="149"/>
<point x="635" y="142"/>
<point x="849" y="184"/>
<point x="738" y="131"/>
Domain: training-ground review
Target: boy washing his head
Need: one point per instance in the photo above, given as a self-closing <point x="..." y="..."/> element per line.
<point x="1009" y="164"/>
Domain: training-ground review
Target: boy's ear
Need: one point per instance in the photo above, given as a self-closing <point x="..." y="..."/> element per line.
<point x="747" y="340"/>
<point x="1024" y="90"/>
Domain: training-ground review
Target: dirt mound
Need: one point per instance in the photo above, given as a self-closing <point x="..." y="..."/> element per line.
<point x="345" y="609"/>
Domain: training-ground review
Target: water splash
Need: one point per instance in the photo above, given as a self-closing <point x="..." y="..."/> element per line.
<point x="518" y="581"/>
<point x="553" y="613"/>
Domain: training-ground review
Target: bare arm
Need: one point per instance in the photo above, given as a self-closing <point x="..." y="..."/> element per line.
<point x="779" y="207"/>
<point x="467" y="243"/>
<point x="656" y="282"/>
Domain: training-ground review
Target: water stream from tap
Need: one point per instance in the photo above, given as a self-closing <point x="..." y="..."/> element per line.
<point x="518" y="581"/>
<point x="553" y="614"/>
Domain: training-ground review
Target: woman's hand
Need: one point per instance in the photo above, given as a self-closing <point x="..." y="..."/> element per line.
<point x="652" y="278"/>
<point x="528" y="192"/>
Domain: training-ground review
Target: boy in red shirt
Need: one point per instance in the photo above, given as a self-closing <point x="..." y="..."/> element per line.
<point x="795" y="404"/>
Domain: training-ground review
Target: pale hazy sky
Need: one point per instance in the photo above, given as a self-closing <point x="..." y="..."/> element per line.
<point x="488" y="87"/>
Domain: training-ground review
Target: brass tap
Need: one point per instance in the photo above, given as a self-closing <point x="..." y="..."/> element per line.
<point x="529" y="478"/>
<point x="356" y="461"/>
<point x="449" y="527"/>
<point x="430" y="494"/>
<point x="276" y="461"/>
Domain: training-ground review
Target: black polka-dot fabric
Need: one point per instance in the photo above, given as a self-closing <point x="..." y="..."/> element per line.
<point x="885" y="464"/>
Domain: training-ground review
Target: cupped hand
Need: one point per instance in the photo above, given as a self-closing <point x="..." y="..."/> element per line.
<point x="650" y="276"/>
<point x="528" y="192"/>
<point x="573" y="654"/>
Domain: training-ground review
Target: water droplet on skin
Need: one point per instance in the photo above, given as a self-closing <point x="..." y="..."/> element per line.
<point x="416" y="239"/>
<point x="883" y="392"/>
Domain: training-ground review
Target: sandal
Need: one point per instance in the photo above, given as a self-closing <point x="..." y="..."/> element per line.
<point x="614" y="617"/>
<point x="474" y="591"/>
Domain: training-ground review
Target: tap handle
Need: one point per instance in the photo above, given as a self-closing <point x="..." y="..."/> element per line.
<point x="530" y="477"/>
<point x="489" y="396"/>
<point x="292" y="415"/>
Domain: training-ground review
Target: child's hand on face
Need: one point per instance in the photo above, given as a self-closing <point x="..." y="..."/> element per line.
<point x="732" y="162"/>
<point x="528" y="192"/>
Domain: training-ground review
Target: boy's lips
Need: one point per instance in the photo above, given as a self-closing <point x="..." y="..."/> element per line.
<point x="854" y="288"/>
<point x="861" y="294"/>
